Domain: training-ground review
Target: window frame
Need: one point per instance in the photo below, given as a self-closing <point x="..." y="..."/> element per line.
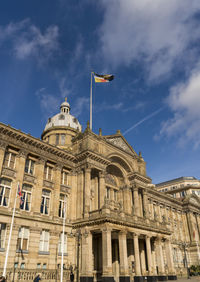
<point x="4" y="189"/>
<point x="23" y="229"/>
<point x="3" y="235"/>
<point x="60" y="243"/>
<point x="30" y="163"/>
<point x="24" y="197"/>
<point x="10" y="153"/>
<point x="43" y="240"/>
<point x="61" y="209"/>
<point x="44" y="205"/>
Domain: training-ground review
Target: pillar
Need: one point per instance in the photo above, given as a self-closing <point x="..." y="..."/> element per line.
<point x="86" y="274"/>
<point x="127" y="200"/>
<point x="136" y="255"/>
<point x="2" y="153"/>
<point x="102" y="189"/>
<point x="107" y="275"/>
<point x="136" y="201"/>
<point x="160" y="259"/>
<point x="86" y="195"/>
<point x="169" y="256"/>
<point x="79" y="193"/>
<point x="149" y="257"/>
<point x="124" y="277"/>
<point x="145" y="204"/>
<point x="56" y="191"/>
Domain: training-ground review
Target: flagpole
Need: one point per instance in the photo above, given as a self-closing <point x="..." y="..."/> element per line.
<point x="91" y="102"/>
<point x="10" y="234"/>
<point x="63" y="241"/>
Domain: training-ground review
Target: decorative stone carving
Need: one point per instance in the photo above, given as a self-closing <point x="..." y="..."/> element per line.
<point x="29" y="178"/>
<point x="109" y="179"/>
<point x="65" y="189"/>
<point x="48" y="184"/>
<point x="9" y="172"/>
<point x="119" y="142"/>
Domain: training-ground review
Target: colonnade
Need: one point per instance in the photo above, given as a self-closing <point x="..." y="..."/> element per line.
<point x="147" y="250"/>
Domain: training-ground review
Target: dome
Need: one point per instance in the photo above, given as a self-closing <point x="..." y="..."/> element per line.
<point x="63" y="119"/>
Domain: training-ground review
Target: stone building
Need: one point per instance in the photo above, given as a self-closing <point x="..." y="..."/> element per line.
<point x="180" y="187"/>
<point x="118" y="226"/>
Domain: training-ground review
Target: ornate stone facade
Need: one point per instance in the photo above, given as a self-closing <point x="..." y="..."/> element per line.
<point x="118" y="226"/>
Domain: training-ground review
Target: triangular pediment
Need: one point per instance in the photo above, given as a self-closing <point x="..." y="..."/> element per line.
<point x="120" y="142"/>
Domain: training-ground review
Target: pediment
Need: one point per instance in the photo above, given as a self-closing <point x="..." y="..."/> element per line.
<point x="120" y="142"/>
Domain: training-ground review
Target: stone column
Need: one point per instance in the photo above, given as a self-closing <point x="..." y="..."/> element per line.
<point x="96" y="193"/>
<point x="159" y="254"/>
<point x="154" y="268"/>
<point x="136" y="201"/>
<point x="149" y="257"/>
<point x="136" y="255"/>
<point x="142" y="257"/>
<point x="169" y="257"/>
<point x="71" y="209"/>
<point x="86" y="195"/>
<point x="86" y="274"/>
<point x="107" y="274"/>
<point x="145" y="204"/>
<point x="127" y="200"/>
<point x="79" y="193"/>
<point x="123" y="257"/>
<point x="102" y="189"/>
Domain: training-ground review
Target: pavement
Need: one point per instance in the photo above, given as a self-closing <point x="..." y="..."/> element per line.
<point x="192" y="279"/>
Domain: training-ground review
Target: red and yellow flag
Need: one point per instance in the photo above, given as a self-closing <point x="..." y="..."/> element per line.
<point x="103" y="77"/>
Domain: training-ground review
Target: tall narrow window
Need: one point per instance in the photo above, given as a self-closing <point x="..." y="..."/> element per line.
<point x="57" y="139"/>
<point x="62" y="206"/>
<point x="23" y="238"/>
<point x="44" y="209"/>
<point x="108" y="193"/>
<point x="62" y="140"/>
<point x="25" y="204"/>
<point x="64" y="179"/>
<point x="9" y="159"/>
<point x="44" y="241"/>
<point x="60" y="243"/>
<point x="48" y="172"/>
<point x="5" y="186"/>
<point x="29" y="166"/>
<point x="115" y="195"/>
<point x="2" y="235"/>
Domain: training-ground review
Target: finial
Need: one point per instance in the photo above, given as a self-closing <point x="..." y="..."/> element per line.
<point x="118" y="131"/>
<point x="65" y="99"/>
<point x="88" y="124"/>
<point x="140" y="154"/>
<point x="100" y="132"/>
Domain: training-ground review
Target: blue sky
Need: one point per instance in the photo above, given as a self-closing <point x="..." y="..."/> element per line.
<point x="48" y="49"/>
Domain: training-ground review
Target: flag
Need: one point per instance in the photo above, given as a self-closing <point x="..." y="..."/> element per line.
<point x="103" y="78"/>
<point x="19" y="193"/>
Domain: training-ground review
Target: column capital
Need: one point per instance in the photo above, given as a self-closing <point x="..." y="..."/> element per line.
<point x="3" y="145"/>
<point x="106" y="229"/>
<point x="22" y="154"/>
<point x="135" y="234"/>
<point x="102" y="173"/>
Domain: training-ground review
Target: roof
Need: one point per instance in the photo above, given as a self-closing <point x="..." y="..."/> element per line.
<point x="179" y="179"/>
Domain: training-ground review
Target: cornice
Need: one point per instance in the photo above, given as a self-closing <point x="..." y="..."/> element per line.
<point x="87" y="154"/>
<point x="23" y="140"/>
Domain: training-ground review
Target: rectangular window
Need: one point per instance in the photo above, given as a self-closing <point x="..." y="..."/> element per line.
<point x="25" y="204"/>
<point x="2" y="235"/>
<point x="5" y="186"/>
<point x="44" y="241"/>
<point x="108" y="193"/>
<point x="23" y="237"/>
<point x="48" y="172"/>
<point x="60" y="243"/>
<point x="9" y="159"/>
<point x="44" y="209"/>
<point x="62" y="206"/>
<point x="115" y="195"/>
<point x="64" y="177"/>
<point x="57" y="139"/>
<point x="29" y="166"/>
<point x="62" y="141"/>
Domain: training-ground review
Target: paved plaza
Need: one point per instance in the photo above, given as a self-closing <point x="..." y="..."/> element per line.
<point x="192" y="279"/>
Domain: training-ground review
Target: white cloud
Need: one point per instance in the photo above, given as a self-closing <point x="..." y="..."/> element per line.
<point x="29" y="41"/>
<point x="48" y="102"/>
<point x="184" y="101"/>
<point x="81" y="104"/>
<point x="154" y="31"/>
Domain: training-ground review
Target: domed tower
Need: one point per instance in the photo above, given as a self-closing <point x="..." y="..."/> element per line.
<point x="61" y="128"/>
